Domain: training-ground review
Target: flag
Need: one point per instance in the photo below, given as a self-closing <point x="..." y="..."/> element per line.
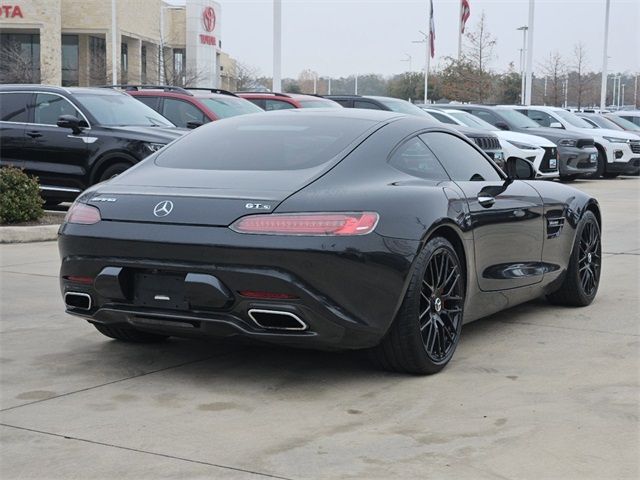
<point x="465" y="13"/>
<point x="432" y="33"/>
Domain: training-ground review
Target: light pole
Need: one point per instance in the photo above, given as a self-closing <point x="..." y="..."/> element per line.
<point x="529" y="54"/>
<point x="622" y="104"/>
<point x="277" y="46"/>
<point x="408" y="59"/>
<point x="523" y="50"/>
<point x="315" y="84"/>
<point x="425" y="40"/>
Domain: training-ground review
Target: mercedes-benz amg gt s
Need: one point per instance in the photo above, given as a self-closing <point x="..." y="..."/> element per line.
<point x="334" y="229"/>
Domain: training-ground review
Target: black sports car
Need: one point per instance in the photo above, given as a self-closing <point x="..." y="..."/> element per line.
<point x="327" y="229"/>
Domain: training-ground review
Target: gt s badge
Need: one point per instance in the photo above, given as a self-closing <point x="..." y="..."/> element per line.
<point x="257" y="206"/>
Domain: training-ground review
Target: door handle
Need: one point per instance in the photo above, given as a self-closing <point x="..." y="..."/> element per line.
<point x="486" y="200"/>
<point x="34" y="134"/>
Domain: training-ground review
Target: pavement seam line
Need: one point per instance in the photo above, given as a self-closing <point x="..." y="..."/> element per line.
<point x="173" y="457"/>
<point x="2" y="270"/>
<point x="117" y="381"/>
<point x="569" y="328"/>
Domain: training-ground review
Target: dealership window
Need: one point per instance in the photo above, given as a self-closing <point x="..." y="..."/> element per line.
<point x="124" y="63"/>
<point x="143" y="63"/>
<point x="70" y="60"/>
<point x="97" y="61"/>
<point x="179" y="60"/>
<point x="19" y="58"/>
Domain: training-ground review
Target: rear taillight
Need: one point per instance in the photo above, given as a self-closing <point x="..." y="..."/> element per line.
<point x="323" y="224"/>
<point x="82" y="214"/>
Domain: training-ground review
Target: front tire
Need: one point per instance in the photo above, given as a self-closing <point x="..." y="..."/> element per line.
<point x="600" y="169"/>
<point x="582" y="278"/>
<point x="126" y="334"/>
<point x="113" y="171"/>
<point x="425" y="333"/>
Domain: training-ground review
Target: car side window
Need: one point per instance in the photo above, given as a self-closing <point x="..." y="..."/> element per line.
<point x="413" y="157"/>
<point x="151" y="102"/>
<point x="486" y="116"/>
<point x="540" y="117"/>
<point x="180" y="112"/>
<point x="13" y="107"/>
<point x="368" y="105"/>
<point x="461" y="161"/>
<point x="344" y="103"/>
<point x="49" y="107"/>
<point x="276" y="105"/>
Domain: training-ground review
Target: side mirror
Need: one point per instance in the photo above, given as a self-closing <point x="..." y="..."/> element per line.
<point x="502" y="125"/>
<point x="520" y="169"/>
<point x="72" y="122"/>
<point x="555" y="125"/>
<point x="193" y="125"/>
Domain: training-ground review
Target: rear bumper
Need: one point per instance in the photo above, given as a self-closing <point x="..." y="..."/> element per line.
<point x="346" y="290"/>
<point x="577" y="162"/>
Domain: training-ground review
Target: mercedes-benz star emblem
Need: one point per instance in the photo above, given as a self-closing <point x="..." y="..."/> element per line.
<point x="163" y="209"/>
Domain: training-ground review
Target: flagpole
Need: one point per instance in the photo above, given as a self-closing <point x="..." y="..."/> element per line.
<point x="603" y="87"/>
<point x="426" y="70"/>
<point x="460" y="32"/>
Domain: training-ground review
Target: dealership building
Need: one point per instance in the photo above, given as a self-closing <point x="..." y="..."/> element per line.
<point x="93" y="42"/>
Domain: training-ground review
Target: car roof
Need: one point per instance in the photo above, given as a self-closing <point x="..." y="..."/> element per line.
<point x="373" y="115"/>
<point x="57" y="89"/>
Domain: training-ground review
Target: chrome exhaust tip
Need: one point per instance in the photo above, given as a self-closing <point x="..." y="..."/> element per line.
<point x="277" y="320"/>
<point x="78" y="300"/>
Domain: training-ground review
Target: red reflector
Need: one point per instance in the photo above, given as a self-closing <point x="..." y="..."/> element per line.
<point x="82" y="214"/>
<point x="308" y="224"/>
<point x="79" y="279"/>
<point x="266" y="295"/>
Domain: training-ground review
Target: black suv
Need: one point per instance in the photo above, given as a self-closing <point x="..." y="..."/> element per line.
<point x="577" y="154"/>
<point x="71" y="138"/>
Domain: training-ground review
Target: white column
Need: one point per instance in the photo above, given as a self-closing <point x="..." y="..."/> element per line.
<point x="114" y="44"/>
<point x="603" y="87"/>
<point x="529" y="55"/>
<point x="277" y="46"/>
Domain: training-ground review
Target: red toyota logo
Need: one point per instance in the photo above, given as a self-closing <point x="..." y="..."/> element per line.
<point x="209" y="19"/>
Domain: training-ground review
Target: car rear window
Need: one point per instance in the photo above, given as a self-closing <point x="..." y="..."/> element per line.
<point x="278" y="141"/>
<point x="318" y="104"/>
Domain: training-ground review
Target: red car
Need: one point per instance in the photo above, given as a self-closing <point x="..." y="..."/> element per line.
<point x="280" y="101"/>
<point x="190" y="107"/>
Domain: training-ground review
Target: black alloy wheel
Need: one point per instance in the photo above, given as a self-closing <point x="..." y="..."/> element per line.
<point x="441" y="305"/>
<point x="425" y="333"/>
<point x="589" y="258"/>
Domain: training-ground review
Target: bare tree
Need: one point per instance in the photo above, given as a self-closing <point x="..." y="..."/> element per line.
<point x="246" y="76"/>
<point x="580" y="65"/>
<point x="479" y="53"/>
<point x="555" y="70"/>
<point x="305" y="80"/>
<point x="16" y="66"/>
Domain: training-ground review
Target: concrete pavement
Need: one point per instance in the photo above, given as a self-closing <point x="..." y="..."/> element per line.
<point x="536" y="392"/>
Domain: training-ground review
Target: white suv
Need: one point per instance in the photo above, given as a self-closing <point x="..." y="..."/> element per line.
<point x="618" y="152"/>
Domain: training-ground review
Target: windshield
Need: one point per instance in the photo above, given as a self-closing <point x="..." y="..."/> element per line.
<point x="624" y="123"/>
<point x="277" y="141"/>
<point x="517" y="119"/>
<point x="572" y="119"/>
<point x="471" y="120"/>
<point x="121" y="110"/>
<point x="402" y="106"/>
<point x="229" y="107"/>
<point x="319" y="104"/>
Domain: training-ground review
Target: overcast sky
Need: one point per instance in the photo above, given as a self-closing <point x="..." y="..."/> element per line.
<point x="342" y="37"/>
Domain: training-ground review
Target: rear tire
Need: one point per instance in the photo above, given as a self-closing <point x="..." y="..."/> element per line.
<point x="582" y="278"/>
<point x="567" y="178"/>
<point x="113" y="171"/>
<point x="127" y="334"/>
<point x="426" y="330"/>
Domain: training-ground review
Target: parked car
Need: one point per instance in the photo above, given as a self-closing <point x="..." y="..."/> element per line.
<point x="488" y="142"/>
<point x="190" y="107"/>
<point x="281" y="101"/>
<point x="632" y="116"/>
<point x="623" y="123"/>
<point x="618" y="151"/>
<point x="603" y="121"/>
<point x="278" y="234"/>
<point x="577" y="153"/>
<point x="71" y="138"/>
<point x="541" y="152"/>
